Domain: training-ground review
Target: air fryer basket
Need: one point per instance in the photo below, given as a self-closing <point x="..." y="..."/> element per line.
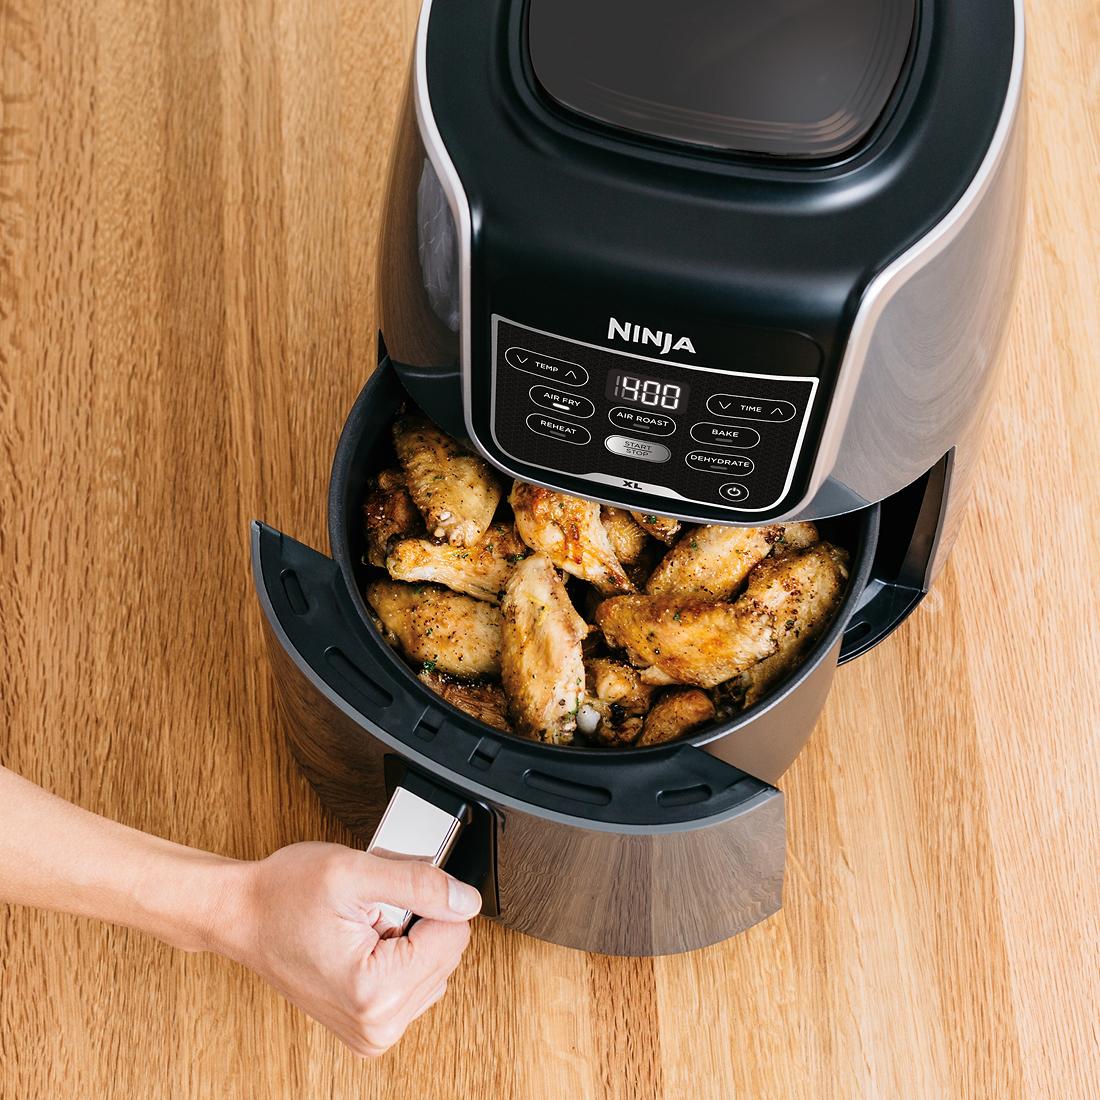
<point x="365" y="447"/>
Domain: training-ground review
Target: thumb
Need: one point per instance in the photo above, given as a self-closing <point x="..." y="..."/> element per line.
<point x="421" y="888"/>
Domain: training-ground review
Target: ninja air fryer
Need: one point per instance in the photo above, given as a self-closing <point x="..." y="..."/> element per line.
<point x="725" y="261"/>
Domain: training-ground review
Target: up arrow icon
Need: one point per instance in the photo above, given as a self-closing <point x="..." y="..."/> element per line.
<point x="777" y="411"/>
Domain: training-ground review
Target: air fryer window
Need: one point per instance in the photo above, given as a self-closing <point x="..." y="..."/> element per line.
<point x="791" y="78"/>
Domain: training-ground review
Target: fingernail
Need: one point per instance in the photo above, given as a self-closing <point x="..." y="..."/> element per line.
<point x="463" y="899"/>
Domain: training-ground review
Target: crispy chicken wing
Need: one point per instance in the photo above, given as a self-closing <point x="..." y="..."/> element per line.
<point x="675" y="714"/>
<point x="541" y="659"/>
<point x="481" y="570"/>
<point x="627" y="538"/>
<point x="437" y="628"/>
<point x="795" y="537"/>
<point x="569" y="532"/>
<point x="457" y="492"/>
<point x="712" y="562"/>
<point x="660" y="527"/>
<point x="389" y="514"/>
<point x="809" y="611"/>
<point x="691" y="641"/>
<point x="616" y="699"/>
<point x="485" y="702"/>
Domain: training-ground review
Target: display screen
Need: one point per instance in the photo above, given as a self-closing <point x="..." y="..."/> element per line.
<point x="651" y="393"/>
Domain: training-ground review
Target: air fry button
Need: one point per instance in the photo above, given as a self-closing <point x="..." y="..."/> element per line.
<point x="572" y="374"/>
<point x="751" y="408"/>
<point x="711" y="463"/>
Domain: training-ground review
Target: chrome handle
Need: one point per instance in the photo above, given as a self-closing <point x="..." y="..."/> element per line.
<point x="412" y="828"/>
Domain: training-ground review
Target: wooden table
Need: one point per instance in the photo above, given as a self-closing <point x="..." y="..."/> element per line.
<point x="189" y="194"/>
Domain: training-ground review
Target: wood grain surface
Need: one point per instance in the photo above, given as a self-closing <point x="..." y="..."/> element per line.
<point x="189" y="196"/>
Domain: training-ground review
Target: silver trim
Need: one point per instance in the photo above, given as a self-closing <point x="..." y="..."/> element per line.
<point x="875" y="298"/>
<point x="884" y="286"/>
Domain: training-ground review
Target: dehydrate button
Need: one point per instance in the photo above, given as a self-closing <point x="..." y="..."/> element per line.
<point x="711" y="463"/>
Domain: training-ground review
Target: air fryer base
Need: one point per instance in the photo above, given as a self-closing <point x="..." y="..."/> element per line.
<point x="589" y="884"/>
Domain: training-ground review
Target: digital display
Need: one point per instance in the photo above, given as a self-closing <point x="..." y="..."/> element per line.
<point x="650" y="393"/>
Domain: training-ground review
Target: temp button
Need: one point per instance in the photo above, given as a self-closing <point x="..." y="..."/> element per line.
<point x="558" y="429"/>
<point x="560" y="370"/>
<point x="751" y="408"/>
<point x="711" y="463"/>
<point x="637" y="448"/>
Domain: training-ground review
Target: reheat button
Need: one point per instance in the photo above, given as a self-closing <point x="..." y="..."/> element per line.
<point x="558" y="429"/>
<point x="726" y="465"/>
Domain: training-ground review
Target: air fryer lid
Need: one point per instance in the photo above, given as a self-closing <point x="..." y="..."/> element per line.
<point x="791" y="78"/>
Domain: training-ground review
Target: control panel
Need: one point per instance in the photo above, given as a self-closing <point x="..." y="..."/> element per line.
<point x="700" y="434"/>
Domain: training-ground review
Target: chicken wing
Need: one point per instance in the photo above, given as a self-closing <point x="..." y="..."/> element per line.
<point x="485" y="702"/>
<point x="675" y="714"/>
<point x="616" y="699"/>
<point x="389" y="514"/>
<point x="808" y="613"/>
<point x="660" y="527"/>
<point x="481" y="570"/>
<point x="691" y="641"/>
<point x="456" y="492"/>
<point x="712" y="562"/>
<point x="627" y="538"/>
<point x="439" y="629"/>
<point x="569" y="532"/>
<point x="542" y="665"/>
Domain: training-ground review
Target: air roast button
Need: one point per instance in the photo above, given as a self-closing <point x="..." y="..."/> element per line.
<point x="640" y="420"/>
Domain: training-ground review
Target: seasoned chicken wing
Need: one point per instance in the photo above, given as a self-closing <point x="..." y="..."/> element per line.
<point x="809" y="611"/>
<point x="795" y="537"/>
<point x="569" y="532"/>
<point x="691" y="641"/>
<point x="542" y="665"/>
<point x="481" y="570"/>
<point x="389" y="514"/>
<point x="660" y="527"/>
<point x="712" y="562"/>
<point x="616" y="699"/>
<point x="437" y="628"/>
<point x="627" y="538"/>
<point x="675" y="714"/>
<point x="684" y="640"/>
<point x="456" y="492"/>
<point x="485" y="702"/>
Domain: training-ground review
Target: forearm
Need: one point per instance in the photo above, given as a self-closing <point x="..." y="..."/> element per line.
<point x="54" y="855"/>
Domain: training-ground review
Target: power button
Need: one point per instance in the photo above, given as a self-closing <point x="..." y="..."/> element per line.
<point x="734" y="492"/>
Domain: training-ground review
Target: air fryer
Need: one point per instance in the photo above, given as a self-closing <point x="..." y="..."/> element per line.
<point x="728" y="262"/>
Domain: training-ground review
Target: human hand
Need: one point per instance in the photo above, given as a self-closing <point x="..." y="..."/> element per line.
<point x="307" y="920"/>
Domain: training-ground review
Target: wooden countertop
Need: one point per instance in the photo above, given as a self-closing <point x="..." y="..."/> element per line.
<point x="188" y="200"/>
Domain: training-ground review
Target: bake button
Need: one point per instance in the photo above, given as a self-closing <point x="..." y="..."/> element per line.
<point x="734" y="492"/>
<point x="725" y="435"/>
<point x="558" y="429"/>
<point x="751" y="408"/>
<point x="711" y="463"/>
<point x="572" y="374"/>
<point x="556" y="399"/>
<point x="637" y="448"/>
<point x="639" y="420"/>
